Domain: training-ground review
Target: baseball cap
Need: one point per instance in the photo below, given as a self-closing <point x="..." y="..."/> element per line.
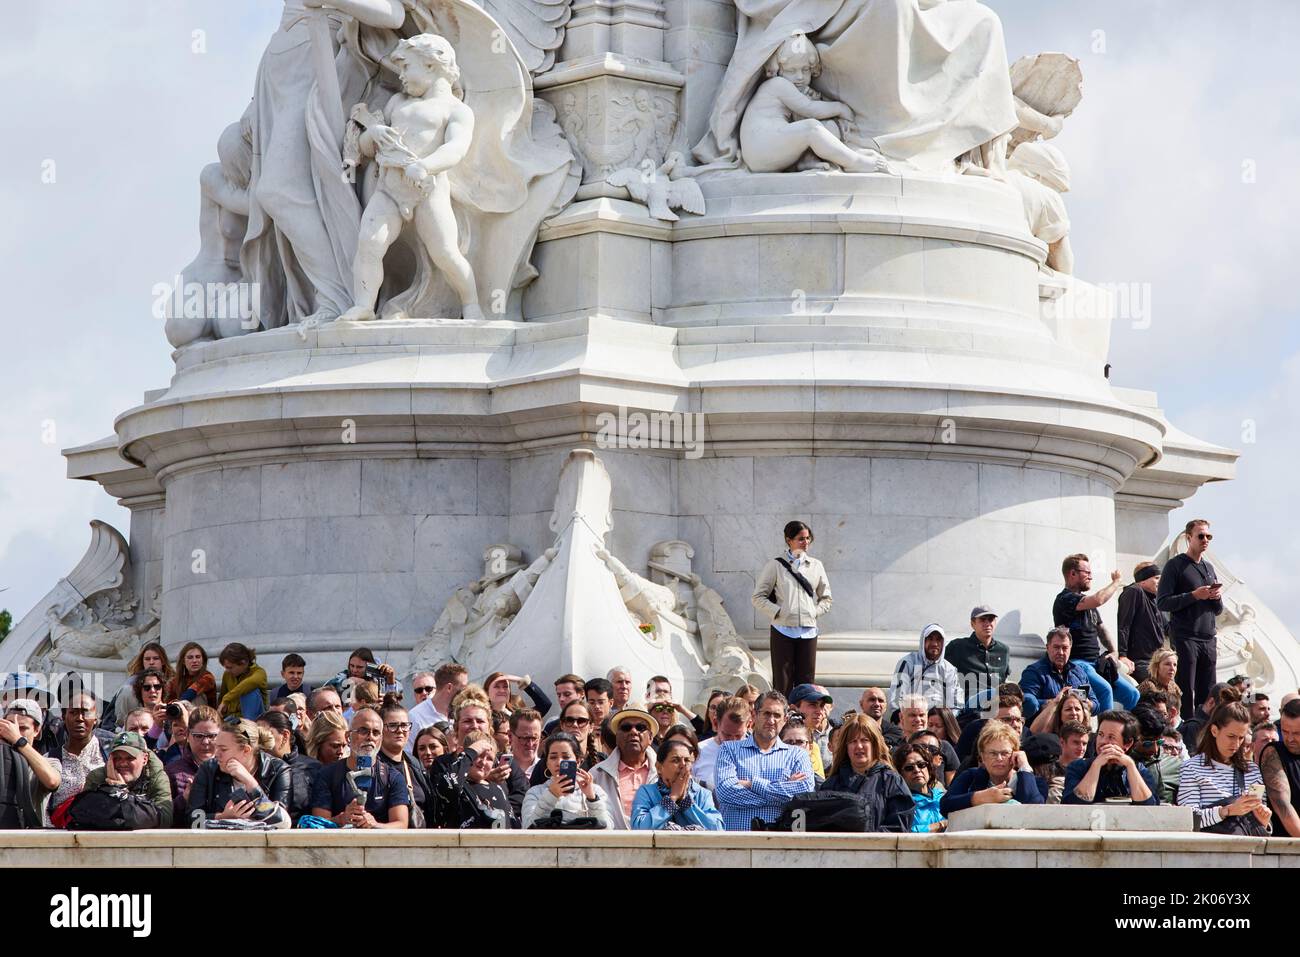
<point x="22" y="681"/>
<point x="810" y="692"/>
<point x="130" y="742"/>
<point x="28" y="707"/>
<point x="982" y="611"/>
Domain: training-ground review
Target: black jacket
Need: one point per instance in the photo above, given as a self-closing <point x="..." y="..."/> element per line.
<point x="1141" y="626"/>
<point x="458" y="803"/>
<point x="1188" y="617"/>
<point x="302" y="775"/>
<point x="969" y="657"/>
<point x="16" y="807"/>
<point x="212" y="787"/>
<point x="889" y="802"/>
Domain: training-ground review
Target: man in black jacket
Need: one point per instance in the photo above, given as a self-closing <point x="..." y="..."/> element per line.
<point x="982" y="661"/>
<point x="1141" y="625"/>
<point x="1192" y="595"/>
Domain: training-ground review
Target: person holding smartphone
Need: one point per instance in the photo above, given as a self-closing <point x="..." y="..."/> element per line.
<point x="567" y="788"/>
<point x="793" y="592"/>
<point x="1192" y="595"/>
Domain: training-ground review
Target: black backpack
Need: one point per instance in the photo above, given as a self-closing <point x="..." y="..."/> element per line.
<point x="821" y="811"/>
<point x="112" y="810"/>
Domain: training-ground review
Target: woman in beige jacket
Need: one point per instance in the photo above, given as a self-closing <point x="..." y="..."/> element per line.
<point x="793" y="606"/>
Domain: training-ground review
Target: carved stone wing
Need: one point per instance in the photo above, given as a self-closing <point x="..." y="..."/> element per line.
<point x="536" y="27"/>
<point x="101" y="567"/>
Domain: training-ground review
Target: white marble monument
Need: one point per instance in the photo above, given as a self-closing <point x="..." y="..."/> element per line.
<point x="647" y="281"/>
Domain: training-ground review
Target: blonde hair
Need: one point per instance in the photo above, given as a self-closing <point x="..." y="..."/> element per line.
<point x="997" y="731"/>
<point x="326" y="723"/>
<point x="1159" y="657"/>
<point x="470" y="692"/>
<point x="253" y="735"/>
<point x="474" y="737"/>
<point x="367" y="692"/>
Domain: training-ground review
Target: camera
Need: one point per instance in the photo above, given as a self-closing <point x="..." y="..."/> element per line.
<point x="372" y="673"/>
<point x="174" y="711"/>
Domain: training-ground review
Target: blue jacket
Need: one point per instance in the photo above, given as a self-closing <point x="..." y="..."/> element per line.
<point x="1112" y="782"/>
<point x="927" y="810"/>
<point x="971" y="780"/>
<point x="651" y="813"/>
<point x="1041" y="681"/>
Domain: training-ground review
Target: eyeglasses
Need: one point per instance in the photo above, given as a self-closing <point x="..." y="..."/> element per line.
<point x="663" y="709"/>
<point x="916" y="766"/>
<point x="998" y="755"/>
<point x="151" y="687"/>
<point x="1205" y="536"/>
<point x="576" y="722"/>
<point x="424" y="689"/>
<point x="368" y="732"/>
<point x="203" y="736"/>
<point x="633" y="727"/>
<point x="397" y="727"/>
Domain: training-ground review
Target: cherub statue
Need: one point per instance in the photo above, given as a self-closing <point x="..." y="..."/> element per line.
<point x="426" y="130"/>
<point x="787" y="120"/>
<point x="1040" y="173"/>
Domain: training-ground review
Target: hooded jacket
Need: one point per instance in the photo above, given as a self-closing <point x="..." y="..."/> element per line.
<point x="938" y="680"/>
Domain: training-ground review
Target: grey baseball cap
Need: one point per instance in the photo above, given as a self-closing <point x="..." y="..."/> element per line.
<point x="982" y="611"/>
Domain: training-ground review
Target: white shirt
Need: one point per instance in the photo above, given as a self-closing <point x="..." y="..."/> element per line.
<point x="706" y="765"/>
<point x="423" y="715"/>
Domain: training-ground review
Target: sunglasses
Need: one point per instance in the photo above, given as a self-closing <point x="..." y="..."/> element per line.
<point x="633" y="727"/>
<point x="425" y="689"/>
<point x="151" y="687"/>
<point x="577" y="722"/>
<point x="1204" y="536"/>
<point x="916" y="766"/>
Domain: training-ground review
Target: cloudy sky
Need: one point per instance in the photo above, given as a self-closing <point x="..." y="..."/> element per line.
<point x="1184" y="156"/>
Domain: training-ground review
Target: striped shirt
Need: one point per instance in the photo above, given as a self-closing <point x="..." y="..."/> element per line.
<point x="1207" y="787"/>
<point x="768" y="774"/>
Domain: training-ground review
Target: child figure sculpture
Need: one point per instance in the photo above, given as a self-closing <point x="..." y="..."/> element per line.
<point x="787" y="119"/>
<point x="425" y="131"/>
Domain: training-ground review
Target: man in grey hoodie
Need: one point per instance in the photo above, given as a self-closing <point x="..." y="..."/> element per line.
<point x="925" y="672"/>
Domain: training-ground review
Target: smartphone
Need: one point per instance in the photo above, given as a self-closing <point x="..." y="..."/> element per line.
<point x="503" y="759"/>
<point x="569" y="769"/>
<point x="1257" y="790"/>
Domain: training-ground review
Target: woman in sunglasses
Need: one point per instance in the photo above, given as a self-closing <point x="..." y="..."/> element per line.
<point x="914" y="765"/>
<point x="575" y="719"/>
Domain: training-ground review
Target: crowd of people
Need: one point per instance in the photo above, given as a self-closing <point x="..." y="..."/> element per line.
<point x="1087" y="723"/>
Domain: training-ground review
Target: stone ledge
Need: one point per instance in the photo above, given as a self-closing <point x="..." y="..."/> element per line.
<point x="980" y="848"/>
<point x="1073" y="817"/>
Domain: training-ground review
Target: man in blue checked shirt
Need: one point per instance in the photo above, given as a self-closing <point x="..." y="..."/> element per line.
<point x="758" y="774"/>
